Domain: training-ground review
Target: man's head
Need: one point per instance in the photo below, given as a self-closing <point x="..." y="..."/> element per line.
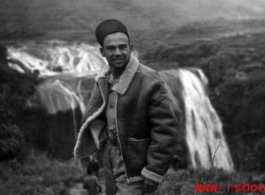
<point x="115" y="43"/>
<point x="107" y="27"/>
<point x="89" y="171"/>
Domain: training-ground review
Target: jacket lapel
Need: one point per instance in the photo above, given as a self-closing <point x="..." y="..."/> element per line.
<point x="127" y="76"/>
<point x="104" y="87"/>
<point x="125" y="79"/>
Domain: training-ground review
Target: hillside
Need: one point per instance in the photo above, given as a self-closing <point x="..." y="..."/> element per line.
<point x="65" y="19"/>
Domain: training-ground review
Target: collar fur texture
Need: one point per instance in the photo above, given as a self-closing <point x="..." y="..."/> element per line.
<point x="126" y="77"/>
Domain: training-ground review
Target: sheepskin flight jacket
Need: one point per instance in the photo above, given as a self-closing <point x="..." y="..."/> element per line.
<point x="146" y="125"/>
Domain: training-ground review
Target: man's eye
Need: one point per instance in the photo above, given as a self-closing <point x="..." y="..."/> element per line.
<point x="122" y="46"/>
<point x="110" y="48"/>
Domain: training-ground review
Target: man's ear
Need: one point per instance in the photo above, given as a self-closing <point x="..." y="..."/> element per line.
<point x="131" y="47"/>
<point x="102" y="51"/>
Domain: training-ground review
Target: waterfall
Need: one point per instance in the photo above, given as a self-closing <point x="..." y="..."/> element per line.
<point x="57" y="97"/>
<point x="54" y="58"/>
<point x="69" y="71"/>
<point x="203" y="128"/>
<point x="204" y="132"/>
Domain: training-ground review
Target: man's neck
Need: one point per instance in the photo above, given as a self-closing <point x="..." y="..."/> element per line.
<point x="117" y="72"/>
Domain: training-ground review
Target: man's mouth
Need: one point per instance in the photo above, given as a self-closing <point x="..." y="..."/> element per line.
<point x="118" y="60"/>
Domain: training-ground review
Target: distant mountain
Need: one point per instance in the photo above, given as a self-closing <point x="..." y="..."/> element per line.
<point x="181" y="11"/>
<point x="76" y="20"/>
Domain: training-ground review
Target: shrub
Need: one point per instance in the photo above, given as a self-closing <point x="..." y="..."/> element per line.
<point x="10" y="142"/>
<point x="15" y="88"/>
<point x="38" y="175"/>
<point x="182" y="181"/>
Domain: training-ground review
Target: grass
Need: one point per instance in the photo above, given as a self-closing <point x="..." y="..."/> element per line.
<point x="38" y="175"/>
<point x="182" y="181"/>
<point x="41" y="175"/>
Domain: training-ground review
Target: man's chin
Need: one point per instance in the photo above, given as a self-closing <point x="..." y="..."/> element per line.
<point x="119" y="65"/>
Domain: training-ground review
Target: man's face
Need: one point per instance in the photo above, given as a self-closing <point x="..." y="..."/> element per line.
<point x="116" y="49"/>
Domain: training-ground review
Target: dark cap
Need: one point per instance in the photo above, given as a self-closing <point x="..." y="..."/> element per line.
<point x="107" y="27"/>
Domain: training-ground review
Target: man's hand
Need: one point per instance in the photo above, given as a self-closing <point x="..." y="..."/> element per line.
<point x="149" y="186"/>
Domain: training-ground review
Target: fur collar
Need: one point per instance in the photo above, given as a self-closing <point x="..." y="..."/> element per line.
<point x="126" y="77"/>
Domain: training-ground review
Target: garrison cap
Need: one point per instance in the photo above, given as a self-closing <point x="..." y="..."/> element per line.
<point x="107" y="27"/>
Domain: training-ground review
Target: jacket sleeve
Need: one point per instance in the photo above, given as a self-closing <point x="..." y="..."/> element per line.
<point x="164" y="126"/>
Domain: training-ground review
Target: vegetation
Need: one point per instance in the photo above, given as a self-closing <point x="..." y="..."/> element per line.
<point x="182" y="182"/>
<point x="38" y="175"/>
<point x="15" y="88"/>
<point x="41" y="175"/>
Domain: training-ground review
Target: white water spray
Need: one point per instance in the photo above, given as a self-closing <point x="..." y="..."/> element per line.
<point x="55" y="58"/>
<point x="57" y="97"/>
<point x="204" y="135"/>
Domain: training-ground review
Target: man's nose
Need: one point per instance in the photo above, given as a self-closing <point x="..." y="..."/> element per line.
<point x="117" y="52"/>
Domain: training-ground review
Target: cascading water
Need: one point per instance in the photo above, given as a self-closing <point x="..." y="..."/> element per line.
<point x="204" y="135"/>
<point x="69" y="70"/>
<point x="200" y="125"/>
<point x="55" y="57"/>
<point x="56" y="97"/>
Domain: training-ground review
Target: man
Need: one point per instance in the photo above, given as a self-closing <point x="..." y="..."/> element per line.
<point x="129" y="114"/>
<point x="91" y="183"/>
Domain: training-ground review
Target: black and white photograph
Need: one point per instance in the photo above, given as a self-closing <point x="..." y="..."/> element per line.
<point x="136" y="97"/>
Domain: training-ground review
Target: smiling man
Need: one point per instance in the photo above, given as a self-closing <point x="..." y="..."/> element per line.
<point x="129" y="116"/>
<point x="116" y="49"/>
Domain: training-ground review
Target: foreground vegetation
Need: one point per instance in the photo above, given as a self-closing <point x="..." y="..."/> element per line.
<point x="182" y="182"/>
<point x="38" y="175"/>
<point x="41" y="175"/>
